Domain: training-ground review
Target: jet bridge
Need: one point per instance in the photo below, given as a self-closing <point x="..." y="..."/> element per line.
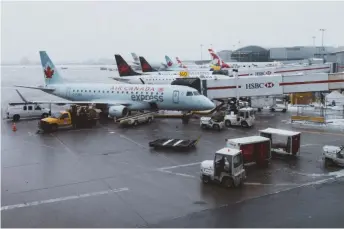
<point x="252" y="86"/>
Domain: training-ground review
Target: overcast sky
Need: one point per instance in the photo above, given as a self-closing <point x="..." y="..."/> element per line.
<point x="86" y="30"/>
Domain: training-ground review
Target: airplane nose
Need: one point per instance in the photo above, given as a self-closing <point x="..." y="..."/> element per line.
<point x="209" y="105"/>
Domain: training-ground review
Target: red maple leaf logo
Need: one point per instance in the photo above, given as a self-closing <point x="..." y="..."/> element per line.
<point x="145" y="66"/>
<point x="48" y="72"/>
<point x="123" y="69"/>
<point x="169" y="63"/>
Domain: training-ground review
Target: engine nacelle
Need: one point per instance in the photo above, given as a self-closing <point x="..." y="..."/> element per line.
<point x="118" y="111"/>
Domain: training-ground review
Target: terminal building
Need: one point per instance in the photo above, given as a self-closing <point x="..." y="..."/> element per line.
<point x="260" y="54"/>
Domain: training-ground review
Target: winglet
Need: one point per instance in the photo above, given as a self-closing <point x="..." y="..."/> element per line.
<point x="143" y="82"/>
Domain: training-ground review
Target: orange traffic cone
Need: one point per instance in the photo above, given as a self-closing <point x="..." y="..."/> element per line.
<point x="14" y="127"/>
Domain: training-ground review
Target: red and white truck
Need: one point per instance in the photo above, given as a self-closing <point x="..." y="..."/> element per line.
<point x="255" y="149"/>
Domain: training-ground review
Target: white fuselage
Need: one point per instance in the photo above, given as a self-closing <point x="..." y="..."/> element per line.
<point x="164" y="79"/>
<point x="135" y="97"/>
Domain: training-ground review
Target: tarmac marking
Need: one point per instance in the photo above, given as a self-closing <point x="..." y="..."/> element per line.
<point x="178" y="174"/>
<point x="28" y="142"/>
<point x="35" y="203"/>
<point x="66" y="147"/>
<point x="178" y="166"/>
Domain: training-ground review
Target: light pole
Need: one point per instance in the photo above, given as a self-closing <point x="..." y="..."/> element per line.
<point x="239" y="50"/>
<point x="314" y="46"/>
<point x="201" y="52"/>
<point x="322" y="42"/>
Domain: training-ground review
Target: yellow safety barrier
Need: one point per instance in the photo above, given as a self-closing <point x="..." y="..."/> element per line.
<point x="308" y="118"/>
<point x="318" y="119"/>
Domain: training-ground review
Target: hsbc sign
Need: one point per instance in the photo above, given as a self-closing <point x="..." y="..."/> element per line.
<point x="259" y="85"/>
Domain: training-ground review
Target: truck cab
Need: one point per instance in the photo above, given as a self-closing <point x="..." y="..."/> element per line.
<point x="227" y="168"/>
<point x="243" y="117"/>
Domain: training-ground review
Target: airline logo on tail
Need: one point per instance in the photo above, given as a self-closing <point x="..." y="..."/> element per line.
<point x="123" y="69"/>
<point x="180" y="63"/>
<point x="48" y="72"/>
<point x="218" y="59"/>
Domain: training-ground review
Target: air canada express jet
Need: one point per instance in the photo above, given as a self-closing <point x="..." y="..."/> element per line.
<point x="119" y="99"/>
<point x="128" y="75"/>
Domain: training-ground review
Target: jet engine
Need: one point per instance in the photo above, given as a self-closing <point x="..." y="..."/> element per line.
<point x="118" y="111"/>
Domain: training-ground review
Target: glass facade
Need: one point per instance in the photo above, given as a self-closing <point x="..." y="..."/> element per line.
<point x="251" y="54"/>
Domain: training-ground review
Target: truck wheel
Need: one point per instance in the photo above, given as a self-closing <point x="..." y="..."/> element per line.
<point x="284" y="110"/>
<point x="244" y="124"/>
<point x="149" y="120"/>
<point x="16" y="117"/>
<point x="228" y="123"/>
<point x="217" y="127"/>
<point x="205" y="179"/>
<point x="44" y="115"/>
<point x="53" y="128"/>
<point x="259" y="109"/>
<point x="204" y="126"/>
<point x="328" y="162"/>
<point x="272" y="109"/>
<point x="136" y="123"/>
<point x="227" y="182"/>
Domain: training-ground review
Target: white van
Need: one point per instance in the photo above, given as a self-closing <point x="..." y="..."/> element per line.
<point x="16" y="111"/>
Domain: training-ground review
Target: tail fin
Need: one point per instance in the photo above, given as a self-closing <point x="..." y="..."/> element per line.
<point x="180" y="63"/>
<point x="169" y="62"/>
<point x="146" y="67"/>
<point x="123" y="68"/>
<point x="135" y="57"/>
<point x="51" y="74"/>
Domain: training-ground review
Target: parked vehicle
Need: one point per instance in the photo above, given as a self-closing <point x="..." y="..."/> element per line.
<point x="244" y="117"/>
<point x="17" y="111"/>
<point x="226" y="169"/>
<point x="255" y="149"/>
<point x="333" y="155"/>
<point x="291" y="145"/>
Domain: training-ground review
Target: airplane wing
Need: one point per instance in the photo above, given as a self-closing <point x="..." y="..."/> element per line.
<point x="121" y="79"/>
<point x="95" y="101"/>
<point x="38" y="88"/>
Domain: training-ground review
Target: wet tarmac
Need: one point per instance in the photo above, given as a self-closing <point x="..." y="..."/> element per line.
<point x="109" y="177"/>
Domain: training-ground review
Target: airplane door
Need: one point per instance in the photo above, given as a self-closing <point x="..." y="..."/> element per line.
<point x="176" y="96"/>
<point x="68" y="93"/>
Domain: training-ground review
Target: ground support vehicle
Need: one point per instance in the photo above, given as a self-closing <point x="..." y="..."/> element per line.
<point x="333" y="155"/>
<point x="227" y="168"/>
<point x="290" y="145"/>
<point x="137" y="119"/>
<point x="16" y="111"/>
<point x="76" y="117"/>
<point x="255" y="149"/>
<point x="242" y="117"/>
<point x="173" y="143"/>
<point x="216" y="121"/>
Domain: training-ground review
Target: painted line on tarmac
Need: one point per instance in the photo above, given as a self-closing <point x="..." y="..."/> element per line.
<point x="178" y="166"/>
<point x="35" y="203"/>
<point x="178" y="174"/>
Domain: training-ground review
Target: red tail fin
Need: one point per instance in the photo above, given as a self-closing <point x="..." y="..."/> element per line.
<point x="146" y="67"/>
<point x="123" y="67"/>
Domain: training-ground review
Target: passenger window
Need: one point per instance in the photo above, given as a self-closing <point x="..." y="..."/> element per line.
<point x="38" y="108"/>
<point x="30" y="108"/>
<point x="25" y="108"/>
<point x="189" y="93"/>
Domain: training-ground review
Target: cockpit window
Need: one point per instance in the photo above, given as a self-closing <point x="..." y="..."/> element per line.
<point x="189" y="93"/>
<point x="196" y="93"/>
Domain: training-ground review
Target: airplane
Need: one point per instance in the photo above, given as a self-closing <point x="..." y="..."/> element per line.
<point x="158" y="66"/>
<point x="119" y="99"/>
<point x="128" y="75"/>
<point x="147" y="68"/>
